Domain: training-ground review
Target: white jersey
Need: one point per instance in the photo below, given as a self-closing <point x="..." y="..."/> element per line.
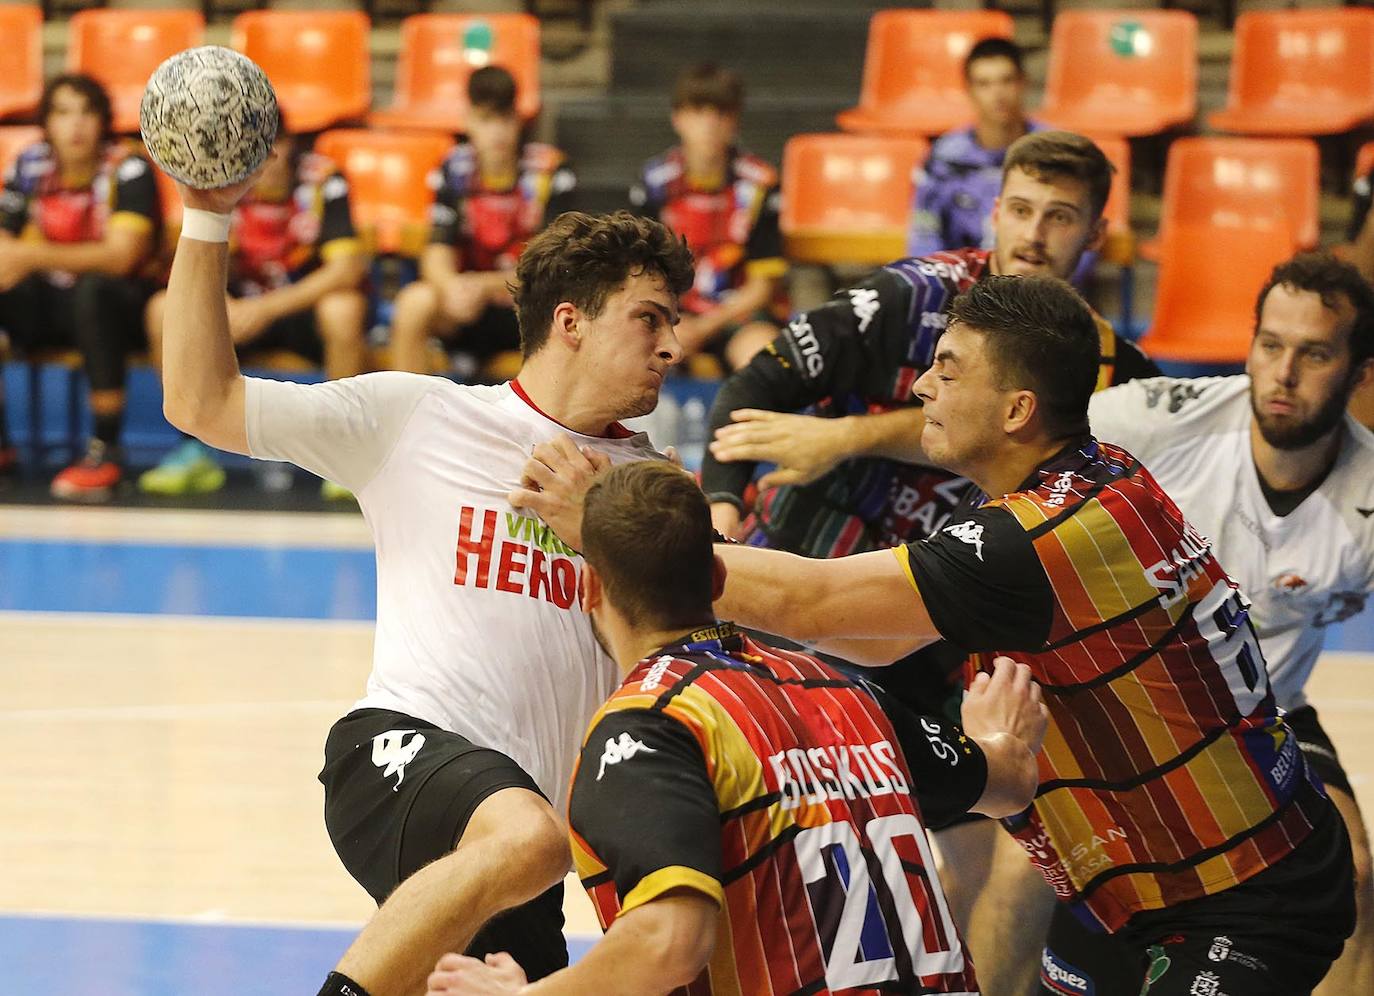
<point x="478" y="625"/>
<point x="1302" y="571"/>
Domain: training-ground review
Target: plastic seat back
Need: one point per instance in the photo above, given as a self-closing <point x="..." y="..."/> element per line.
<point x="1300" y="72"/>
<point x="913" y="77"/>
<point x="388" y="174"/>
<point x="318" y="61"/>
<point x="121" y="48"/>
<point x="847" y="198"/>
<point x="438" y="54"/>
<point x="1121" y="72"/>
<point x="21" y="60"/>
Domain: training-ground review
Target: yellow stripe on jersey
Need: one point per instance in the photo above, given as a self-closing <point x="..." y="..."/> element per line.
<point x="341" y="248"/>
<point x="904" y="558"/>
<point x="131" y="221"/>
<point x="655" y="884"/>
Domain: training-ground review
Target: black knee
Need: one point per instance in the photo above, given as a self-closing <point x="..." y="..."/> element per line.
<point x="106" y="311"/>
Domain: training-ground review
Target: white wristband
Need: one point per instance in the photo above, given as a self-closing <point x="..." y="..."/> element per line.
<point x="204" y="226"/>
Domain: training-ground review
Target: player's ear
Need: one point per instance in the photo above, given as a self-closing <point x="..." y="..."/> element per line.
<point x="717" y="578"/>
<point x="567" y="324"/>
<point x="1022" y="406"/>
<point x="589" y="590"/>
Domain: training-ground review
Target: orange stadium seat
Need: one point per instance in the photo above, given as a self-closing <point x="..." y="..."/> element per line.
<point x="1205" y="298"/>
<point x="121" y="48"/>
<point x="21" y="60"/>
<point x="913" y="82"/>
<point x="847" y="198"/>
<point x="387" y="177"/>
<point x="438" y="54"/>
<point x="318" y="61"/>
<point x="1300" y="72"/>
<point x="14" y="139"/>
<point x="1251" y="184"/>
<point x="1121" y="72"/>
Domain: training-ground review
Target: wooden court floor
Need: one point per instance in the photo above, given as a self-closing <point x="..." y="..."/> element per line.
<point x="161" y="765"/>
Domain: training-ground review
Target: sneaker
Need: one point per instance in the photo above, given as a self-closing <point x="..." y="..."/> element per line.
<point x="93" y="478"/>
<point x="330" y="491"/>
<point x="189" y="469"/>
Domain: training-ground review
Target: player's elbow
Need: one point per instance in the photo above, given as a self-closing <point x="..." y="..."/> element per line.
<point x="1013" y="776"/>
<point x="681" y="931"/>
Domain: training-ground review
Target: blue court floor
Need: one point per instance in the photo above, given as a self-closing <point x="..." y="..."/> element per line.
<point x="118" y="955"/>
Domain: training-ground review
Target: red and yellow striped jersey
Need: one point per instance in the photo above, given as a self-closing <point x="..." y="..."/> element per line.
<point x="1167" y="773"/>
<point x="773" y="784"/>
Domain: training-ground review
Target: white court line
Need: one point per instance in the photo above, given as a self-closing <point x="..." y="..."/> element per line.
<point x="185" y="526"/>
<point x="162" y="620"/>
<point x="139" y="713"/>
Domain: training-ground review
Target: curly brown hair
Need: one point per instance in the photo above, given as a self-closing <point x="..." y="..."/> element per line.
<point x="583" y="259"/>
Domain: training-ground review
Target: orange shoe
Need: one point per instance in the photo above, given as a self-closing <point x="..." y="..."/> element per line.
<point x="93" y="478"/>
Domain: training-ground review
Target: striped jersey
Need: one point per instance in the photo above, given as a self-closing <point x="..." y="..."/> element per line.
<point x="772" y="784"/>
<point x="1167" y="773"/>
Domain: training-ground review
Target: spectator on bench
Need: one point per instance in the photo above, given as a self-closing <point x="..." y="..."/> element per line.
<point x="295" y="273"/>
<point x="495" y="191"/>
<point x="79" y="219"/>
<point x="724" y="202"/>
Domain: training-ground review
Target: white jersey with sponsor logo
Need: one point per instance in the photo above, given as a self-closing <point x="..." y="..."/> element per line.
<point x="1302" y="571"/>
<point x="478" y="626"/>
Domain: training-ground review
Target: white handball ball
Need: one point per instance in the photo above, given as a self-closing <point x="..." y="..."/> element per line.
<point x="208" y="116"/>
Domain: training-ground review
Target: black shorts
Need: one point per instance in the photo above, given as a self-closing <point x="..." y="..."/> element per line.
<point x="296" y="333"/>
<point x="398" y="793"/>
<point x="1317" y="747"/>
<point x="1275" y="934"/>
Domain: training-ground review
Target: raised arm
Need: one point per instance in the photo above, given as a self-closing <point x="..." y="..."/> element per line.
<point x="203" y="391"/>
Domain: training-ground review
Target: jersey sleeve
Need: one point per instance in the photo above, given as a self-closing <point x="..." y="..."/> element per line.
<point x="562" y="193"/>
<point x="446" y="213"/>
<point x="982" y="583"/>
<point x="820" y="353"/>
<point x="1135" y="415"/>
<point x="14" y="201"/>
<point x="643" y="802"/>
<point x="949" y="772"/>
<point x="342" y="430"/>
<point x="1131" y="363"/>
<point x="927" y="232"/>
<point x="337" y="236"/>
<point x="763" y="250"/>
<point x="136" y="199"/>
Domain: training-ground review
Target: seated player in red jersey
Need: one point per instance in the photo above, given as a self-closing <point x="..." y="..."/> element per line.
<point x="748" y="820"/>
<point x="296" y="270"/>
<point x="494" y="192"/>
<point x="723" y="201"/>
<point x="79" y="222"/>
<point x="1175" y="808"/>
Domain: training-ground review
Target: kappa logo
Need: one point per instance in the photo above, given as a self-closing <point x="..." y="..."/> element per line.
<point x="391" y="751"/>
<point x="621" y="749"/>
<point x="864" y="300"/>
<point x="970" y="533"/>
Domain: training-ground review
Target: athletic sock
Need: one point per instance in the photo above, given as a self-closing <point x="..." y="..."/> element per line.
<point x="108" y="428"/>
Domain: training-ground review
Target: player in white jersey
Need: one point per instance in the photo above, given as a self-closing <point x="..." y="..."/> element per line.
<point x="1272" y="470"/>
<point x="439" y="783"/>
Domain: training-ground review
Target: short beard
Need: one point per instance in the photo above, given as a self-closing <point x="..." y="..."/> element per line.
<point x="635" y="407"/>
<point x="1300" y="435"/>
<point x="600" y="637"/>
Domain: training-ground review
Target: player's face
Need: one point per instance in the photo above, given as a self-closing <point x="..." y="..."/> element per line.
<point x="275" y="182"/>
<point x="705" y="131"/>
<point x="1043" y="226"/>
<point x="963" y="402"/>
<point x="494" y="135"/>
<point x="997" y="90"/>
<point x="72" y="127"/>
<point x="629" y="347"/>
<point x="1300" y="367"/>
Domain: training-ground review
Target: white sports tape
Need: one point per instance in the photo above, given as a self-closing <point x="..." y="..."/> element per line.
<point x="204" y="226"/>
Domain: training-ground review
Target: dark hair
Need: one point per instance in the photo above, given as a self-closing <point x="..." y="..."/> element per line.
<point x="1041" y="337"/>
<point x="994" y="48"/>
<point x="492" y="89"/>
<point x="646" y="529"/>
<point x="87" y="86"/>
<point x="583" y="259"/>
<point x="1330" y="279"/>
<point x="709" y="85"/>
<point x="1054" y="155"/>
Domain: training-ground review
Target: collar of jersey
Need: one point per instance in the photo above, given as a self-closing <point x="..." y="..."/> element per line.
<point x="613" y="431"/>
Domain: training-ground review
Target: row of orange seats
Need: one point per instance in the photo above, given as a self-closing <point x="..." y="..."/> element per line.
<point x="1128" y="72"/>
<point x="318" y="61"/>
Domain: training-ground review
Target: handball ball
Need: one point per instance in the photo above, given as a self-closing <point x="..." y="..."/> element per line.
<point x="208" y="116"/>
